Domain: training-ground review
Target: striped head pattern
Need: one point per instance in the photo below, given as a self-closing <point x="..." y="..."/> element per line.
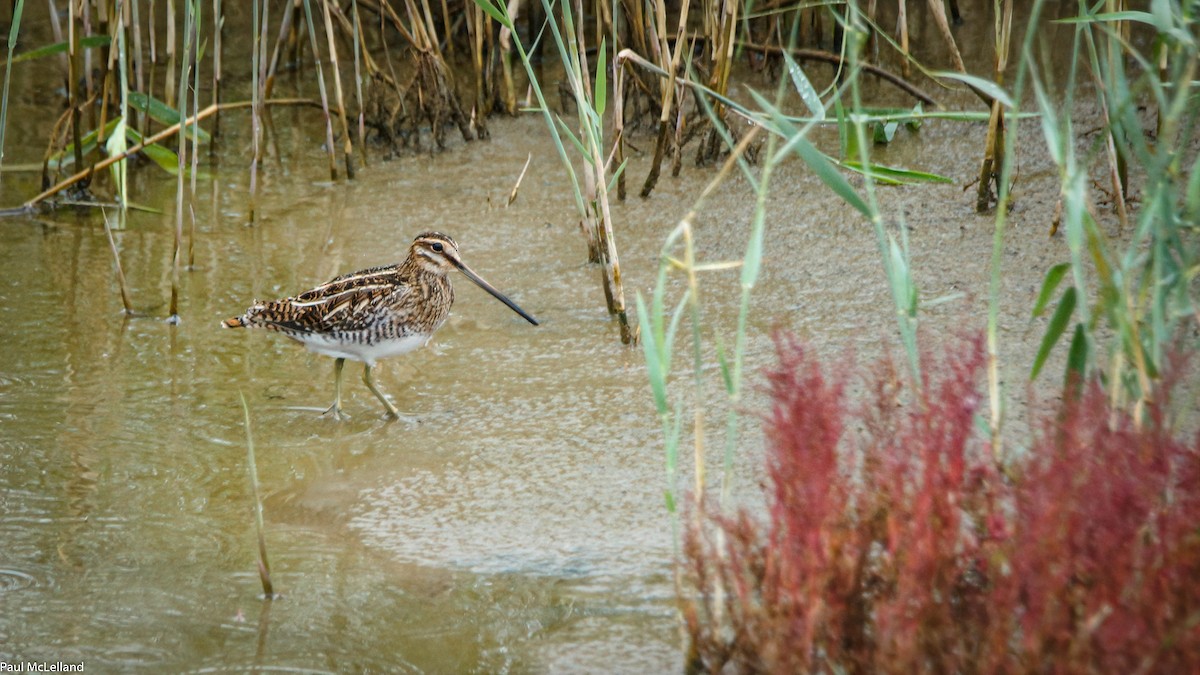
<point x="435" y="252"/>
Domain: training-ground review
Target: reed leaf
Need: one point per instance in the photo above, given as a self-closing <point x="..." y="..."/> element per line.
<point x="164" y="114"/>
<point x="116" y="145"/>
<point x="984" y="85"/>
<point x="1053" y="276"/>
<point x="87" y="42"/>
<point x="600" y="92"/>
<point x="1058" y="324"/>
<point x="894" y="175"/>
<point x="804" y="87"/>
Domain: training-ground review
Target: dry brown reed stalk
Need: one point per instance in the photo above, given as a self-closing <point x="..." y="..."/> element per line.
<point x="362" y="60"/>
<point x="512" y="196"/>
<point x="191" y="264"/>
<point x="360" y="55"/>
<point x="112" y="243"/>
<point x="938" y="10"/>
<point x="347" y="145"/>
<point x="670" y="63"/>
<point x="721" y="24"/>
<point x="285" y="34"/>
<point x="993" y="152"/>
<point x="74" y="66"/>
<point x="218" y="30"/>
<point x="264" y="565"/>
<point x="476" y="24"/>
<point x="170" y="91"/>
<point x="1118" y="169"/>
<point x="188" y="61"/>
<point x="597" y="190"/>
<point x="432" y="91"/>
<point x="505" y="38"/>
<point x="312" y="35"/>
<point x="257" y="95"/>
<point x="134" y="25"/>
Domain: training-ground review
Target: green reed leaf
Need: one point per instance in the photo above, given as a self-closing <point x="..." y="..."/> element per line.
<point x="1058" y="324"/>
<point x="89" y="42"/>
<point x="600" y="94"/>
<point x="1053" y="277"/>
<point x="497" y="11"/>
<point x="163" y="113"/>
<point x="804" y="88"/>
<point x="1077" y="356"/>
<point x="819" y="162"/>
<point x="986" y="86"/>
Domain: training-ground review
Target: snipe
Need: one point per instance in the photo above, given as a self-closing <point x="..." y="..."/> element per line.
<point x="374" y="313"/>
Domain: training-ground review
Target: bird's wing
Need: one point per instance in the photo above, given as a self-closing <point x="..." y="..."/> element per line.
<point x="345" y="304"/>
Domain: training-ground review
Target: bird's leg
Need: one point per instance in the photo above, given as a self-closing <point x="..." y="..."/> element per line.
<point x="336" y="408"/>
<point x="371" y="385"/>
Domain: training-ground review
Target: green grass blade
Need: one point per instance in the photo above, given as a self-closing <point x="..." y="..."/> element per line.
<point x="816" y="160"/>
<point x="116" y="145"/>
<point x="804" y="88"/>
<point x="894" y="175"/>
<point x="163" y="113"/>
<point x="600" y="93"/>
<point x="1058" y="324"/>
<point x="1077" y="357"/>
<point x="612" y="182"/>
<point x="89" y="42"/>
<point x="654" y="365"/>
<point x="986" y="86"/>
<point x="1053" y="277"/>
<point x="498" y="13"/>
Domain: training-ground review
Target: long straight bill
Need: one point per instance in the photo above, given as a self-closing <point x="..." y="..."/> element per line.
<point x="492" y="290"/>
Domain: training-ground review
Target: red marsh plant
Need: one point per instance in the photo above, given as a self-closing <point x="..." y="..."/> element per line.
<point x="892" y="544"/>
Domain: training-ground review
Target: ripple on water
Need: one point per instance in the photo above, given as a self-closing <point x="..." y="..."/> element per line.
<point x="15" y="580"/>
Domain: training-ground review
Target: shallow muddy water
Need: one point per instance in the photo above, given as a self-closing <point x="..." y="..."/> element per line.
<point x="513" y="521"/>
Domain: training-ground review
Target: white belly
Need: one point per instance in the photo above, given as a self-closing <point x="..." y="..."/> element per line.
<point x="368" y="354"/>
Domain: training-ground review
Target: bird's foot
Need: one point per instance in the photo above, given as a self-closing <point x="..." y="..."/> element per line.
<point x="336" y="409"/>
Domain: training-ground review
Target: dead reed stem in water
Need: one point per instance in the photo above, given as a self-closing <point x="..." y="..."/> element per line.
<point x="264" y="566"/>
<point x="669" y="63"/>
<point x="938" y="10"/>
<point x="218" y="31"/>
<point x="347" y="145"/>
<point x="360" y="50"/>
<point x="170" y="89"/>
<point x="512" y="196"/>
<point x="476" y="24"/>
<point x="285" y="29"/>
<point x="189" y="39"/>
<point x="1118" y="168"/>
<point x="993" y="152"/>
<point x="257" y="96"/>
<point x="112" y="243"/>
<point x="510" y="94"/>
<point x="73" y="69"/>
<point x="312" y="35"/>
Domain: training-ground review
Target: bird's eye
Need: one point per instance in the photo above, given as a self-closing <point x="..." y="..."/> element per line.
<point x="437" y="246"/>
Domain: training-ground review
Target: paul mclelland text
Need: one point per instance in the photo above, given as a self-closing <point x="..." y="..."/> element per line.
<point x="40" y="667"/>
